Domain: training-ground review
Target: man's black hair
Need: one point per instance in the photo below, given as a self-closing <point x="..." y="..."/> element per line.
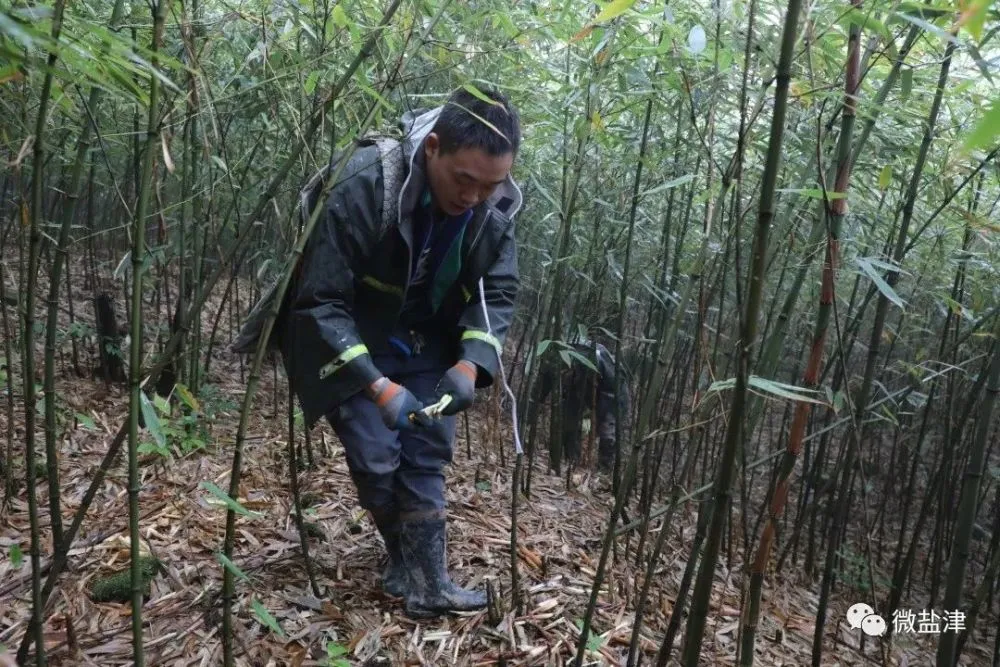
<point x="461" y="123"/>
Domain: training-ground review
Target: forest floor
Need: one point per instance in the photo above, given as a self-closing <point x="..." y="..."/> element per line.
<point x="351" y="620"/>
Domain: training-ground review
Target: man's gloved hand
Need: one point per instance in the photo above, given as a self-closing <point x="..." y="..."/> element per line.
<point x="460" y="383"/>
<point x="396" y="404"/>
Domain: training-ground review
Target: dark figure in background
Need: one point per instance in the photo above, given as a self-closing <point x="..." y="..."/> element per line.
<point x="111" y="367"/>
<point x="583" y="392"/>
<point x="404" y="295"/>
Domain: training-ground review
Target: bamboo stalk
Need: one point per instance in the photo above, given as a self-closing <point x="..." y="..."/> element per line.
<point x="52" y="321"/>
<point x="228" y="586"/>
<point x="293" y="480"/>
<point x="968" y="507"/>
<point x="517" y="603"/>
<point x="622" y="307"/>
<point x="701" y="597"/>
<point x="28" y="369"/>
<point x="171" y="349"/>
<point x="260" y="352"/>
<point x="8" y="468"/>
<point x="845" y="471"/>
<point x="903" y="565"/>
<point x="803" y="409"/>
<point x="135" y="347"/>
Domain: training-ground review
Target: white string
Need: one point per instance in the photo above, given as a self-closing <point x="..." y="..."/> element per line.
<point x="503" y="375"/>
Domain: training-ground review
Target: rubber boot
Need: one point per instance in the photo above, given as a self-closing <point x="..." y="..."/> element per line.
<point x="394" y="579"/>
<point x="423" y="537"/>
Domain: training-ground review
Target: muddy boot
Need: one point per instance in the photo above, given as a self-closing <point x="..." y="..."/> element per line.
<point x="394" y="579"/>
<point x="423" y="537"/>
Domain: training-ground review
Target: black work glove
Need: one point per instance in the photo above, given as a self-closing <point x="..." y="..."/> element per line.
<point x="399" y="408"/>
<point x="460" y="382"/>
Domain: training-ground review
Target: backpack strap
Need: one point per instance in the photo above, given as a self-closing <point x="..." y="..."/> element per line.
<point x="306" y="196"/>
<point x="391" y="153"/>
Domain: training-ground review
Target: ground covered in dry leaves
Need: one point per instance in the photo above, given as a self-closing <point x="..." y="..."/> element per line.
<point x="352" y="621"/>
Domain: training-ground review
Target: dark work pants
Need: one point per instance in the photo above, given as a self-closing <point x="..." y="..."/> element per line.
<point x="401" y="468"/>
<point x="604" y="423"/>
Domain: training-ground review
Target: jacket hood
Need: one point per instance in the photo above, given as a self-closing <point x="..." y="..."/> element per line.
<point x="416" y="125"/>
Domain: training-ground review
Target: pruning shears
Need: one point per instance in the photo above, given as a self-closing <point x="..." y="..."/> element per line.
<point x="434" y="410"/>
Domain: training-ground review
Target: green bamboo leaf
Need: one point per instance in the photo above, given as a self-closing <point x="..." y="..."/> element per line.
<point x="986" y="130"/>
<point x="886" y="266"/>
<point x="881" y="284"/>
<point x="309" y="85"/>
<point x="974" y="17"/>
<point x="127" y="85"/>
<point x="152" y="420"/>
<point x="231" y="566"/>
<point x="225" y="498"/>
<point x="680" y="180"/>
<point x="984" y="67"/>
<point x="339" y="16"/>
<point x="15" y="555"/>
<point x="122" y="266"/>
<point x="594" y="639"/>
<point x="929" y="27"/>
<point x="926" y="10"/>
<point x="19" y="31"/>
<point x="814" y="193"/>
<point x="479" y="118"/>
<point x="885" y="177"/>
<point x="783" y="390"/>
<point x="162" y="405"/>
<point x="144" y="67"/>
<point x="774" y="387"/>
<point x="475" y="92"/>
<point x="85" y="421"/>
<point x="265" y="616"/>
<point x="582" y="359"/>
<point x="335" y="650"/>
<point x="721" y="385"/>
<point x="187" y="397"/>
<point x="384" y="103"/>
<point x="307" y="30"/>
<point x="613" y="9"/>
<point x="545" y="193"/>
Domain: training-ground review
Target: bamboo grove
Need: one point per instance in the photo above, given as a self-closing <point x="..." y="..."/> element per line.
<point x="783" y="216"/>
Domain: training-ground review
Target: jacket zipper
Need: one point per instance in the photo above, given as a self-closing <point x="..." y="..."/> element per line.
<point x="482" y="229"/>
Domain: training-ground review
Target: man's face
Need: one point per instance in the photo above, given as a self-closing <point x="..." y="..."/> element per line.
<point x="465" y="178"/>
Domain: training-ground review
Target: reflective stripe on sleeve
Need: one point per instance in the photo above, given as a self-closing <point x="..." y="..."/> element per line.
<point x="342" y="359"/>
<point x="472" y="334"/>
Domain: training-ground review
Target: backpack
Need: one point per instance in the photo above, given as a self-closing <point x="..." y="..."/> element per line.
<point x="393" y="175"/>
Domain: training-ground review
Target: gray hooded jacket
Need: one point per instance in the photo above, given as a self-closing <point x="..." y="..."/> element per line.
<point x="349" y="289"/>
